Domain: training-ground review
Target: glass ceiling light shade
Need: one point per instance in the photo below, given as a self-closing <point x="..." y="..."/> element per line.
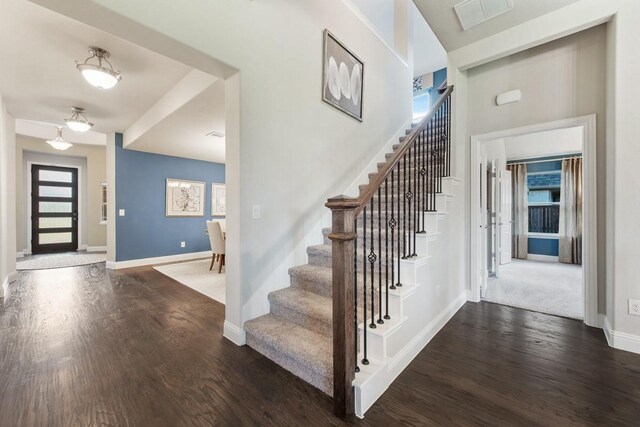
<point x="59" y="143"/>
<point x="78" y="120"/>
<point x="99" y="75"/>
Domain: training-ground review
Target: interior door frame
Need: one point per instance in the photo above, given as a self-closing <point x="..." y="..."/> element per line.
<point x="30" y="163"/>
<point x="589" y="206"/>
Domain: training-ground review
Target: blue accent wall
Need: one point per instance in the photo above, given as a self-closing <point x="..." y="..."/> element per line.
<point x="145" y="231"/>
<point x="438" y="77"/>
<point x="543" y="246"/>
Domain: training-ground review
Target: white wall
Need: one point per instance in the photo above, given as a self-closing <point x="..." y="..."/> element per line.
<point x="7" y="198"/>
<point x="622" y="126"/>
<point x="561" y="79"/>
<point x="542" y="144"/>
<point x="294" y="151"/>
<point x="381" y="15"/>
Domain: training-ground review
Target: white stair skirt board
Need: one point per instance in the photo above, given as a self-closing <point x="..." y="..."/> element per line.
<point x="552" y="288"/>
<point x="375" y="378"/>
<point x="197" y="276"/>
<point x="63" y="260"/>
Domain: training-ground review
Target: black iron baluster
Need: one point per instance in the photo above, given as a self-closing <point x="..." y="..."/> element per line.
<point x="386" y="242"/>
<point x="449" y="135"/>
<point x="372" y="262"/>
<point x="380" y="255"/>
<point x="432" y="172"/>
<point x="365" y="361"/>
<point x="355" y="294"/>
<point x="409" y="196"/>
<point x="415" y="199"/>
<point x="441" y="150"/>
<point x="423" y="172"/>
<point x="404" y="211"/>
<point x="397" y="196"/>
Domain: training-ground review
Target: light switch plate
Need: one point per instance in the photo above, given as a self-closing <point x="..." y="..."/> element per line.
<point x="121" y="212"/>
<point x="183" y="244"/>
<point x="256" y="212"/>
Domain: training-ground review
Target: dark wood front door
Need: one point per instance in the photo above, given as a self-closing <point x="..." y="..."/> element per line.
<point x="54" y="209"/>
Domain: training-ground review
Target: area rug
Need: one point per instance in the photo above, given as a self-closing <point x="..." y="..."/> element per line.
<point x="67" y="259"/>
<point x="547" y="287"/>
<point x="196" y="275"/>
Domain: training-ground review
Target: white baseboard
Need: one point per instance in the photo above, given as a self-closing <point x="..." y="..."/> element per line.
<point x="82" y="247"/>
<point x="26" y="251"/>
<point x="621" y="340"/>
<point x="543" y="258"/>
<point x="368" y="392"/>
<point x="157" y="260"/>
<point x="5" y="286"/>
<point x="234" y="334"/>
<point x="19" y="255"/>
<point x="96" y="249"/>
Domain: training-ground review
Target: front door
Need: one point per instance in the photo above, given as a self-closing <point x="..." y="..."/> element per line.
<point x="54" y="209"/>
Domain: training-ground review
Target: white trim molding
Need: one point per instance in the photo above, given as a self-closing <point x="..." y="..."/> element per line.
<point x="118" y="265"/>
<point x="590" y="231"/>
<point x="20" y="254"/>
<point x="96" y="249"/>
<point x="234" y="333"/>
<point x="621" y="340"/>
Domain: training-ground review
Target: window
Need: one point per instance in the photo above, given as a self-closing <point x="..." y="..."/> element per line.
<point x="420" y="106"/>
<point x="103" y="204"/>
<point x="544" y="201"/>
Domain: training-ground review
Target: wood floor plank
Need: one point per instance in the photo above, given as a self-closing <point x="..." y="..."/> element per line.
<point x="85" y="346"/>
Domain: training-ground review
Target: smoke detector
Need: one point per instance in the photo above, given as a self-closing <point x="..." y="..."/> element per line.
<point x="475" y="12"/>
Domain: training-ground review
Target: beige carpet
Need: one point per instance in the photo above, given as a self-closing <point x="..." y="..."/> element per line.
<point x="196" y="275"/>
<point x="547" y="287"/>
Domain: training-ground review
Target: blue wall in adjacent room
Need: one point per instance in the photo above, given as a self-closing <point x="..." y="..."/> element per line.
<point x="543" y="246"/>
<point x="145" y="231"/>
<point x="438" y="77"/>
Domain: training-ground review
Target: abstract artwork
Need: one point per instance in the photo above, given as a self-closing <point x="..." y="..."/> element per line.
<point x="185" y="198"/>
<point x="342" y="77"/>
<point x="218" y="199"/>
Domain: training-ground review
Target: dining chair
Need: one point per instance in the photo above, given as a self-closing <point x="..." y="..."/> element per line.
<point x="216" y="238"/>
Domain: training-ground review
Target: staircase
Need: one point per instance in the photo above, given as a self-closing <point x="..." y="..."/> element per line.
<point x="398" y="218"/>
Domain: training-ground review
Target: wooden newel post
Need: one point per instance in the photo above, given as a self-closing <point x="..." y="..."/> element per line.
<point x="342" y="237"/>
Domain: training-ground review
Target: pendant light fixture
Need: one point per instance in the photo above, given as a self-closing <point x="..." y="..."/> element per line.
<point x="99" y="75"/>
<point x="78" y="120"/>
<point x="59" y="143"/>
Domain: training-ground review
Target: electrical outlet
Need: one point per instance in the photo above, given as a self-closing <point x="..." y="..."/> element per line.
<point x="634" y="307"/>
<point x="183" y="244"/>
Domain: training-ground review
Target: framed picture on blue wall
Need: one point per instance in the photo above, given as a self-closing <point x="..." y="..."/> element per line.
<point x="218" y="200"/>
<point x="184" y="198"/>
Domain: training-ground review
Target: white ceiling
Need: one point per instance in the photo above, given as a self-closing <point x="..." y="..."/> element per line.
<point x="443" y="20"/>
<point x="39" y="81"/>
<point x="183" y="132"/>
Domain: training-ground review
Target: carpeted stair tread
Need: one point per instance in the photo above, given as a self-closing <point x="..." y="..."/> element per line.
<point x="307" y="309"/>
<point x="306" y="353"/>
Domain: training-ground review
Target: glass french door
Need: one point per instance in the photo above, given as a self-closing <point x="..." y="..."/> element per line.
<point x="54" y="209"/>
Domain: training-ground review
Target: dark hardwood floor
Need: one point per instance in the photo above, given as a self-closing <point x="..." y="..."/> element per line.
<point x="83" y="346"/>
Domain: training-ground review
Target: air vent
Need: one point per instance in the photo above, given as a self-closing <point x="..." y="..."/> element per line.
<point x="474" y="12"/>
<point x="216" y="134"/>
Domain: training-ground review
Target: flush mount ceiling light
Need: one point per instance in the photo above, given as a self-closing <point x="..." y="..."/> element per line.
<point x="78" y="120"/>
<point x="59" y="143"/>
<point x="99" y="75"/>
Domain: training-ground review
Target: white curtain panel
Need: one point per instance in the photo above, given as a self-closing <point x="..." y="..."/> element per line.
<point x="520" y="211"/>
<point x="570" y="247"/>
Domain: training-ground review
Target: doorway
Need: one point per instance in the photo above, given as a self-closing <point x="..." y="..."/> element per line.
<point x="54" y="209"/>
<point x="520" y="247"/>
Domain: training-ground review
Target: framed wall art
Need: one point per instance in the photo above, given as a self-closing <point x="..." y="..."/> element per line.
<point x="343" y="75"/>
<point x="184" y="198"/>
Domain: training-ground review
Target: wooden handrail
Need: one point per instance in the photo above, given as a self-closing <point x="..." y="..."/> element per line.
<point x="368" y="192"/>
<point x="443" y="86"/>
